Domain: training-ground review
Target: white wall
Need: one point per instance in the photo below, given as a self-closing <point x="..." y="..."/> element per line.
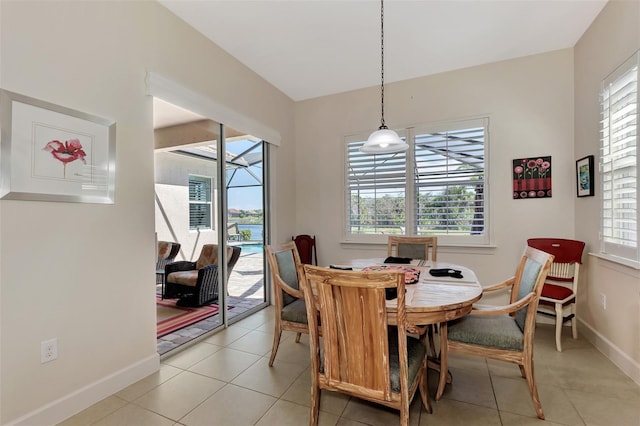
<point x="172" y="202"/>
<point x="530" y="104"/>
<point x="85" y="273"/>
<point x="612" y="38"/>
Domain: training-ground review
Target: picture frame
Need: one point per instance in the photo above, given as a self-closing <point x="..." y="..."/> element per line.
<point x="53" y="153"/>
<point x="584" y="177"/>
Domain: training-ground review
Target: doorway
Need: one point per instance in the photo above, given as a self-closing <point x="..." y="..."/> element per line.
<point x="197" y="204"/>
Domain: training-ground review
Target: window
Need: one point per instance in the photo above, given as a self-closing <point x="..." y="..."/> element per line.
<point x="619" y="161"/>
<point x="437" y="187"/>
<point x="199" y="202"/>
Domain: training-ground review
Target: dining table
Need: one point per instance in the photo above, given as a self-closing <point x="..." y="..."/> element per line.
<point x="430" y="300"/>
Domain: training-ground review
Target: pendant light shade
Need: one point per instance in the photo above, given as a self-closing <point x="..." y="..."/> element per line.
<point x="383" y="140"/>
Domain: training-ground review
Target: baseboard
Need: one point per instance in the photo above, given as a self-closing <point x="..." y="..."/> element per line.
<point x="73" y="403"/>
<point x="628" y="366"/>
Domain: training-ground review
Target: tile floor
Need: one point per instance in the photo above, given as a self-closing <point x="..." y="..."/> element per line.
<point x="225" y="380"/>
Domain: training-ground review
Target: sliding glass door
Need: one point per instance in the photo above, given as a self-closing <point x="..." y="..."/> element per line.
<point x="202" y="199"/>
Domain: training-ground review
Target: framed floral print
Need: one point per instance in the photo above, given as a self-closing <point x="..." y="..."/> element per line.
<point x="531" y="177"/>
<point x="52" y="153"/>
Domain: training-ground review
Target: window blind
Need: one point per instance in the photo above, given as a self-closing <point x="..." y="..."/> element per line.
<point x="437" y="187"/>
<point x="200" y="202"/>
<point x="449" y="181"/>
<point x="376" y="186"/>
<point x="619" y="161"/>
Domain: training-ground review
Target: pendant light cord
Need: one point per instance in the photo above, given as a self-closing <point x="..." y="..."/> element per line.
<point x="382" y="124"/>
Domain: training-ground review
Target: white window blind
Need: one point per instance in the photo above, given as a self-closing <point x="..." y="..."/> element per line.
<point x="619" y="161"/>
<point x="437" y="187"/>
<point x="449" y="179"/>
<point x="200" y="202"/>
<point x="376" y="187"/>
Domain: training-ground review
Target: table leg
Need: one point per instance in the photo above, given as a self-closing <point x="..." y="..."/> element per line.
<point x="445" y="376"/>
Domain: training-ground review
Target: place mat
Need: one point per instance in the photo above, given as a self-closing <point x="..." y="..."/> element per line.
<point x="411" y="275"/>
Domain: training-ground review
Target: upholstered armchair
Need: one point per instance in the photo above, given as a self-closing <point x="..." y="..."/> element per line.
<point x="196" y="283"/>
<point x="167" y="252"/>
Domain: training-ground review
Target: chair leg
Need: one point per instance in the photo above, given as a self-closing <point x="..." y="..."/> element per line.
<point x="298" y="337"/>
<point x="276" y="342"/>
<point x="574" y="321"/>
<point x="315" y="405"/>
<point x="424" y="391"/>
<point x="559" y="321"/>
<point x="443" y="361"/>
<point x="533" y="389"/>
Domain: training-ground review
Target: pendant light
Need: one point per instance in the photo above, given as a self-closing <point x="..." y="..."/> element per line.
<point x="383" y="140"/>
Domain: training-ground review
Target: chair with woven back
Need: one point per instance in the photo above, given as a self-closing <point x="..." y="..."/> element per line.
<point x="413" y="247"/>
<point x="560" y="290"/>
<point x="360" y="353"/>
<point x="502" y="333"/>
<point x="167" y="251"/>
<point x="196" y="283"/>
<point x="291" y="313"/>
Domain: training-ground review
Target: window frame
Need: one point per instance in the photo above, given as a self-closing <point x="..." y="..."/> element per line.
<point x="609" y="248"/>
<point x="209" y="202"/>
<point x="410" y="190"/>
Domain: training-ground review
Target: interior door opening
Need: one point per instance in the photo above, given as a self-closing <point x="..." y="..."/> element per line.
<point x="189" y="212"/>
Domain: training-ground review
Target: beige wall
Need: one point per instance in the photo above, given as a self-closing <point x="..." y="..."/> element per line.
<point x="84" y="273"/>
<point x="612" y="38"/>
<point x="172" y="202"/>
<point x="530" y="105"/>
<point x="65" y="268"/>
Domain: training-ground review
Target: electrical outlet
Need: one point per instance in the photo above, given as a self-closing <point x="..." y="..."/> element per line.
<point x="48" y="350"/>
<point x="603" y="301"/>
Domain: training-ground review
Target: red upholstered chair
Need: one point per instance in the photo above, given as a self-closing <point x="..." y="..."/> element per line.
<point x="306" y="245"/>
<point x="561" y="287"/>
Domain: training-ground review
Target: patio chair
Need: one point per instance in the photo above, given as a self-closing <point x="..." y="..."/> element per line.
<point x="196" y="283"/>
<point x="361" y="354"/>
<point x="167" y="252"/>
<point x="291" y="313"/>
<point x="504" y="333"/>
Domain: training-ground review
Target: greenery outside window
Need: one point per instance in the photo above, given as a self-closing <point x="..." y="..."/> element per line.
<point x="619" y="162"/>
<point x="200" y="189"/>
<point x="436" y="188"/>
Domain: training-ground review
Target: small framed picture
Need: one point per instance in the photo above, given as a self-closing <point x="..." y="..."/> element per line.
<point x="584" y="176"/>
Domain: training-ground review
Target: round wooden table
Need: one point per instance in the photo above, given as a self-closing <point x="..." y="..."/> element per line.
<point x="433" y="300"/>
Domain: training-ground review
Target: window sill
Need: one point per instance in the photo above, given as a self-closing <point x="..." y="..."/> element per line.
<point x="356" y="244"/>
<point x="617" y="260"/>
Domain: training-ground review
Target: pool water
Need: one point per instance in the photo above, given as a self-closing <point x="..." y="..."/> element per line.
<point x="251" y="248"/>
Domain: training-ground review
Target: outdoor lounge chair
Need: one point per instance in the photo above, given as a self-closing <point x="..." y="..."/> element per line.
<point x="196" y="283"/>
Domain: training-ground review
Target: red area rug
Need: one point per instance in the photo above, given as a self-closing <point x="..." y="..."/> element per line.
<point x="184" y="315"/>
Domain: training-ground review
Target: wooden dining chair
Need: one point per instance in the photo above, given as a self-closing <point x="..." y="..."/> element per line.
<point x="306" y="245"/>
<point x="360" y="354"/>
<point x="503" y="333"/>
<point x="423" y="248"/>
<point x="291" y="313"/>
<point x="415" y="247"/>
<point x="560" y="290"/>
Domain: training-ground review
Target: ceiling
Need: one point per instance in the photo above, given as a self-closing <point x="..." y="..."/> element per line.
<point x="312" y="48"/>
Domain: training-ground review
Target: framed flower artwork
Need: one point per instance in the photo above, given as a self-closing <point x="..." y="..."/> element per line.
<point x="531" y="177"/>
<point x="52" y="153"/>
<point x="584" y="176"/>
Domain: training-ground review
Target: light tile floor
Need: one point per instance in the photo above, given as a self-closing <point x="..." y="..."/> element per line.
<point x="225" y="380"/>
